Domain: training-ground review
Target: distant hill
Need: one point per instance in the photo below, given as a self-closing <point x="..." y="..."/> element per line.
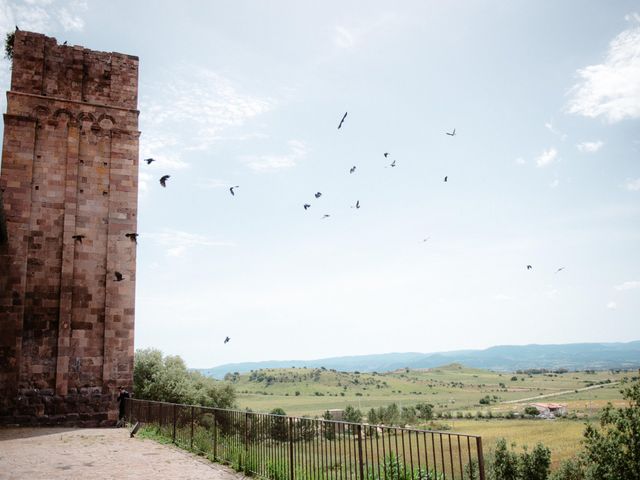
<point x="505" y="358"/>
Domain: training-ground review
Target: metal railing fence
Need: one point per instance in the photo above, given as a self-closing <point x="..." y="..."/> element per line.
<point x="278" y="447"/>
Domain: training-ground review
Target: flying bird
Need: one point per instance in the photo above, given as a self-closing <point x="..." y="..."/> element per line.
<point x="64" y="43"/>
<point x="306" y="206"/>
<point x="446" y="178"/>
<point x="326" y="215"/>
<point x="78" y="238"/>
<point x="352" y="169"/>
<point x="529" y="267"/>
<point x="119" y="276"/>
<point x="560" y="269"/>
<point x="231" y="189"/>
<point x="357" y="205"/>
<point x="342" y="121"/>
<point x="132" y="236"/>
<point x="392" y="164"/>
<point x="386" y="154"/>
<point x="426" y="239"/>
<point x="318" y="194"/>
<point x="149" y="160"/>
<point x="163" y="180"/>
<point x="452" y="133"/>
<point x="226" y="340"/>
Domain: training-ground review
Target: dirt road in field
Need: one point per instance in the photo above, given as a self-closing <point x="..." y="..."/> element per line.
<point x="529" y="399"/>
<point x="100" y="453"/>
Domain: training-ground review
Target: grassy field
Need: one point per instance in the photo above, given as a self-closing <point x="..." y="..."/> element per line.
<point x="453" y="390"/>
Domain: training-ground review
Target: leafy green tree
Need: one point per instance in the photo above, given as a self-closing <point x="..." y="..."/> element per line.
<point x="8" y="45"/>
<point x="352" y="414"/>
<point x="372" y="417"/>
<point x="571" y="469"/>
<point x="425" y="411"/>
<point x="530" y="410"/>
<point x="328" y="428"/>
<point x="505" y="462"/>
<point x="278" y="428"/>
<point x="167" y="379"/>
<point x="408" y="415"/>
<point x="613" y="451"/>
<point x="535" y="465"/>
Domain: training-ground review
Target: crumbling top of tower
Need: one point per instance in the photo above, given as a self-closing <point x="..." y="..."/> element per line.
<point x="42" y="67"/>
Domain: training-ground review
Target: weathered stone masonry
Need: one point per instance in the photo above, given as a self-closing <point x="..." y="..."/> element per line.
<point x="69" y="167"/>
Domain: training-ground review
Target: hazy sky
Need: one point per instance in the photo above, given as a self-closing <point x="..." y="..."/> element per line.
<point x="544" y="170"/>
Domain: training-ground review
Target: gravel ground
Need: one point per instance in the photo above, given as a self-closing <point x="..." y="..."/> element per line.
<point x="98" y="453"/>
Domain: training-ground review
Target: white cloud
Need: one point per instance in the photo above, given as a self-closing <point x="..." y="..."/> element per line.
<point x="612" y="305"/>
<point x="190" y="109"/>
<point x="632" y="184"/>
<point x="520" y="161"/>
<point x="554" y="183"/>
<point x="344" y="38"/>
<point x="70" y="21"/>
<point x="502" y="297"/>
<point x="350" y="37"/>
<point x="612" y="89"/>
<point x="144" y="179"/>
<point x="631" y="285"/>
<point x="547" y="157"/>
<point x="177" y="242"/>
<point x="590" y="147"/>
<point x="549" y="126"/>
<point x="264" y="163"/>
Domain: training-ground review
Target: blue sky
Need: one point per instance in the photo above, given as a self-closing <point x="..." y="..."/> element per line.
<point x="544" y="170"/>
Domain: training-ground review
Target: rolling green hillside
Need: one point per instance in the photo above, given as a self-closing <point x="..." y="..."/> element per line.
<point x="451" y="388"/>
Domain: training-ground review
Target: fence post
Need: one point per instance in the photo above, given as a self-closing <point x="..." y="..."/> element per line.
<point x="192" y="427"/>
<point x="148" y="411"/>
<point x="291" y="466"/>
<point x="360" y="452"/>
<point x="215" y="437"/>
<point x="174" y="423"/>
<point x="480" y="457"/>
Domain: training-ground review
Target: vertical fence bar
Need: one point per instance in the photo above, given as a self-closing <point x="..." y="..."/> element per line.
<point x="291" y="466"/>
<point x="215" y="437"/>
<point x="191" y="439"/>
<point x="480" y="457"/>
<point x="360" y="466"/>
<point x="173" y="435"/>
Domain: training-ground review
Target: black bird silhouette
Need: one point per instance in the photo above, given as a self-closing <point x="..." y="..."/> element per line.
<point x="78" y="238"/>
<point x="452" y="133"/>
<point x="149" y="160"/>
<point x="163" y="180"/>
<point x="386" y="154"/>
<point x="352" y="169"/>
<point x="357" y="205"/>
<point x="119" y="276"/>
<point x="392" y="164"/>
<point x="445" y="178"/>
<point x="64" y="43"/>
<point x="231" y="189"/>
<point x="226" y="340"/>
<point x="529" y="267"/>
<point x="426" y="239"/>
<point x="306" y="206"/>
<point x="326" y="215"/>
<point x="17" y="29"/>
<point x="342" y="121"/>
<point x="318" y="194"/>
<point x="132" y="236"/>
<point x="560" y="269"/>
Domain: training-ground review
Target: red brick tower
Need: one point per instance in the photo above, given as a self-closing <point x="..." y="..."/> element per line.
<point x="70" y="181"/>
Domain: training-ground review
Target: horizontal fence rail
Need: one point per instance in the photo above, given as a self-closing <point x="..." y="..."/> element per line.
<point x="278" y="447"/>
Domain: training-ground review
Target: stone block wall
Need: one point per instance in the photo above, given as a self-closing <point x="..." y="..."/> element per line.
<point x="69" y="169"/>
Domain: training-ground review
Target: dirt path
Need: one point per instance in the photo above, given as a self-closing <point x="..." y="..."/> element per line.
<point x="100" y="453"/>
<point x="520" y="400"/>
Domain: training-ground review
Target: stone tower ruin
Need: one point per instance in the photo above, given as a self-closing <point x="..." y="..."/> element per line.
<point x="69" y="183"/>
